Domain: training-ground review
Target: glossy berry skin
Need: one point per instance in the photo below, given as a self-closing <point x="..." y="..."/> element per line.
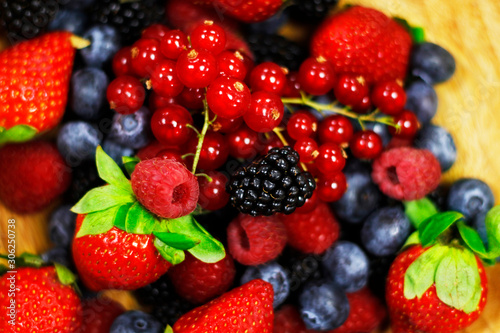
<point x="228" y="97"/>
<point x="421" y="98"/>
<point x="155" y="31"/>
<point x="432" y="63"/>
<point x="249" y="11"/>
<point x="331" y="187"/>
<point x="196" y="68"/>
<point x="230" y="63"/>
<point x="136" y="322"/>
<point x="156" y="101"/>
<point x="105" y="43"/>
<point x="366" y="144"/>
<point x="145" y="54"/>
<point x="389" y="97"/>
<point x="214" y="151"/>
<point x="77" y="141"/>
<point x="169" y="125"/>
<point x="199" y="282"/>
<point x="269" y="77"/>
<point x="408" y="125"/>
<point x="316" y="76"/>
<point x="170" y="153"/>
<point x="301" y="124"/>
<point x="192" y="98"/>
<point x="266" y="144"/>
<point x="336" y="129"/>
<point x="164" y="80"/>
<point x="125" y="94"/>
<point x="439" y="142"/>
<point x="62" y="226"/>
<point x="88" y="92"/>
<point x="173" y="44"/>
<point x="265" y="113"/>
<point x="131" y="130"/>
<point x="350" y="89"/>
<point x="225" y="125"/>
<point x="292" y="86"/>
<point x="121" y="62"/>
<point x="213" y="193"/>
<point x="329" y="159"/>
<point x="307" y="149"/>
<point x="210" y="37"/>
<point x="273" y="273"/>
<point x="470" y="197"/>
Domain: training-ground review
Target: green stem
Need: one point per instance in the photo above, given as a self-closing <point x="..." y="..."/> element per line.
<point x="201" y="136"/>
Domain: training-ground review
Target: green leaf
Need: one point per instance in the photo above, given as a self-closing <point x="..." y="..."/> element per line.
<point x="420" y="275"/>
<point x="435" y="225"/>
<point x="30" y="260"/>
<point x="418" y="34"/>
<point x="139" y="220"/>
<point x="472" y="239"/>
<point x="18" y="133"/>
<point x="65" y="276"/>
<point x="110" y="172"/>
<point x="458" y="280"/>
<point x="419" y="210"/>
<point x="121" y="216"/>
<point x="98" y="222"/>
<point x="168" y="329"/>
<point x="413" y="239"/>
<point x="170" y="254"/>
<point x="101" y="198"/>
<point x="178" y="241"/>
<point x="129" y="163"/>
<point x="493" y="231"/>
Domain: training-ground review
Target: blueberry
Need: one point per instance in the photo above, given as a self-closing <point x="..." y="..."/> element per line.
<point x="271" y="25"/>
<point x="439" y="142"/>
<point x="132" y="130"/>
<point x="431" y="62"/>
<point x="136" y="322"/>
<point x="348" y="266"/>
<point x="362" y="195"/>
<point x="62" y="226"/>
<point x="273" y="273"/>
<point x="116" y="151"/>
<point x="88" y="92"/>
<point x="421" y="98"/>
<point x="78" y="141"/>
<point x="70" y="20"/>
<point x="479" y="223"/>
<point x="385" y="231"/>
<point x="470" y="197"/>
<point x="323" y="305"/>
<point x="60" y="255"/>
<point x="105" y="42"/>
<point x="85" y="178"/>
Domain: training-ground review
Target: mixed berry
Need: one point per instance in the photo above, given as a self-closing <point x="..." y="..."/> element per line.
<point x="232" y="179"/>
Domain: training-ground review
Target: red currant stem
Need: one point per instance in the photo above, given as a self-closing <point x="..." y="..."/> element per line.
<point x="361" y="124"/>
<point x="194" y="129"/>
<point x="186" y="155"/>
<point x="277" y="131"/>
<point x="201" y="174"/>
<point x="201" y="136"/>
<point x="213" y="120"/>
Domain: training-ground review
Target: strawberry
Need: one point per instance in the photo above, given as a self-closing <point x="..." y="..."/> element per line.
<point x="248" y="308"/>
<point x="34" y="82"/>
<point x="99" y="314"/>
<point x="52" y="306"/>
<point x="249" y="11"/>
<point x="363" y="41"/>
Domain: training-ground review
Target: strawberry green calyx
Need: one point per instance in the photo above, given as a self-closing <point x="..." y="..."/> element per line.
<point x="419" y="210"/>
<point x="18" y="133"/>
<point x="416" y="33"/>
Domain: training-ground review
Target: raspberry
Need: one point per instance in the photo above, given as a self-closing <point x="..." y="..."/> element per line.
<point x="33" y="175"/>
<point x="287" y="320"/>
<point x="255" y="240"/>
<point x="200" y="282"/>
<point x="165" y="187"/>
<point x="406" y="173"/>
<point x="312" y="232"/>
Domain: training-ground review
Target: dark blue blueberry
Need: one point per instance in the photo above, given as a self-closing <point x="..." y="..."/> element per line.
<point x="105" y="42"/>
<point x="79" y="4"/>
<point x="62" y="226"/>
<point x="348" y="266"/>
<point x="470" y="197"/>
<point x="273" y="273"/>
<point x="381" y="129"/>
<point x="136" y="322"/>
<point x="431" y="62"/>
<point x="385" y="231"/>
<point x="439" y="142"/>
<point x="77" y="141"/>
<point x="60" y="255"/>
<point x="88" y="92"/>
<point x="132" y="130"/>
<point x="271" y="25"/>
<point x="362" y="196"/>
<point x="85" y="178"/>
<point x="323" y="305"/>
<point x="479" y="223"/>
<point x="116" y="151"/>
<point x="70" y="20"/>
<point x="421" y="98"/>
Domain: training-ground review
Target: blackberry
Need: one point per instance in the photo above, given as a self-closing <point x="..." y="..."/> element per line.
<point x="25" y="19"/>
<point x="273" y="184"/>
<point x="312" y="10"/>
<point x="278" y="49"/>
<point x="128" y="17"/>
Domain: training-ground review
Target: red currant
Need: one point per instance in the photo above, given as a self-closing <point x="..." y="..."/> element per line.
<point x="316" y="76"/>
<point x="269" y="77"/>
<point x="164" y="79"/>
<point x="157" y="102"/>
<point x="307" y="149"/>
<point x="389" y="97"/>
<point x="292" y="86"/>
<point x="225" y="125"/>
<point x="155" y="31"/>
<point x="309" y="205"/>
<point x="145" y="54"/>
<point x="121" y="62"/>
<point x="364" y="106"/>
<point x="330" y="158"/>
<point x="350" y="89"/>
<point x="171" y="154"/>
<point x="336" y="129"/>
<point x="213" y="193"/>
<point x="408" y="125"/>
<point x="192" y="98"/>
<point x="228" y="97"/>
<point x="242" y="142"/>
<point x="210" y="37"/>
<point x="301" y="124"/>
<point x="331" y="187"/>
<point x="366" y="144"/>
<point x="214" y="151"/>
<point x="196" y="68"/>
<point x="265" y="113"/>
<point x="169" y="125"/>
<point x="269" y="141"/>
<point x="125" y="94"/>
<point x="173" y="43"/>
<point x="231" y="64"/>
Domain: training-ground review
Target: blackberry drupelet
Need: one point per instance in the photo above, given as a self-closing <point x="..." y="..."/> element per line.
<point x="312" y="10"/>
<point x="273" y="184"/>
<point x="278" y="49"/>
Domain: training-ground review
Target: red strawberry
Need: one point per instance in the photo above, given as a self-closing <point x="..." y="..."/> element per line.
<point x="428" y="312"/>
<point x="33" y="175"/>
<point x="117" y="259"/>
<point x="364" y="41"/>
<point x="287" y="320"/>
<point x="249" y="11"/>
<point x="34" y="81"/>
<point x="42" y="303"/>
<point x="99" y="314"/>
<point x="312" y="232"/>
<point x="199" y="282"/>
<point x="248" y="308"/>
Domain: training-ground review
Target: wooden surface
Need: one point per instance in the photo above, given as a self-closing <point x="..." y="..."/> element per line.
<point x="469" y="106"/>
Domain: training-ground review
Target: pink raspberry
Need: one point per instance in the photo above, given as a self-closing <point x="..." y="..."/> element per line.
<point x="406" y="173"/>
<point x="255" y="240"/>
<point x="165" y="187"/>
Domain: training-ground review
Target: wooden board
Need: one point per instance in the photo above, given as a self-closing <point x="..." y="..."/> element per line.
<point x="469" y="106"/>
